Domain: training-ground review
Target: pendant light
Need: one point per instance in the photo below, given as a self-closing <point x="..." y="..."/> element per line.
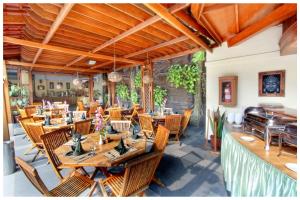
<point x="76" y="81"/>
<point x="147" y="78"/>
<point x="114" y="76"/>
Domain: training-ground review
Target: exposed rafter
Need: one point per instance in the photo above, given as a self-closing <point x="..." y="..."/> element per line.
<point x="190" y="51"/>
<point x="216" y="7"/>
<point x="55" y="67"/>
<point x="163" y="13"/>
<point x="133" y="30"/>
<point x="65" y="50"/>
<point x="280" y="14"/>
<point x="164" y="44"/>
<point x="237" y="25"/>
<point x="58" y="21"/>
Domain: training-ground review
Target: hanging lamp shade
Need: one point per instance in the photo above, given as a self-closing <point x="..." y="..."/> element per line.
<point x="114" y="77"/>
<point x="147" y="79"/>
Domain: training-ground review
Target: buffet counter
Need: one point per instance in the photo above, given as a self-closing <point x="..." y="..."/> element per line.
<point x="249" y="170"/>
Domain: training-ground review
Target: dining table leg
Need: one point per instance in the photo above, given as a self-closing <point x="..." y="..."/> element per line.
<point x="102" y="169"/>
<point x="158" y="181"/>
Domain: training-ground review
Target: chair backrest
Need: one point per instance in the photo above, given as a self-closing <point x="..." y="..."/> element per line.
<point x="80" y="106"/>
<point x="35" y="132"/>
<point x="52" y="141"/>
<point x="78" y="114"/>
<point x="57" y="112"/>
<point x="22" y="113"/>
<point x="186" y="118"/>
<point x="139" y="173"/>
<point x="121" y="125"/>
<point x="173" y="122"/>
<point x="37" y="103"/>
<point x="83" y="127"/>
<point x="146" y="122"/>
<point x="93" y="108"/>
<point x="161" y="138"/>
<point x="115" y="114"/>
<point x="24" y="122"/>
<point x="30" y="110"/>
<point x="33" y="176"/>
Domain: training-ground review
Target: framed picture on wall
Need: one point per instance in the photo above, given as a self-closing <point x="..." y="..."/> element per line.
<point x="271" y="84"/>
<point x="228" y="90"/>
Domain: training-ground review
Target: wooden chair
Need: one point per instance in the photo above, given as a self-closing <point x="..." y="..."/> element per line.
<point x="80" y="106"/>
<point x="30" y="110"/>
<point x="159" y="145"/>
<point x="35" y="131"/>
<point x="173" y="123"/>
<point x="121" y="125"/>
<point x="83" y="127"/>
<point x="185" y="119"/>
<point x="70" y="187"/>
<point x="78" y="114"/>
<point x="57" y="112"/>
<point x="136" y="179"/>
<point x="132" y="116"/>
<point x="51" y="141"/>
<point x="93" y="109"/>
<point x="37" y="104"/>
<point x="23" y="122"/>
<point x="22" y="112"/>
<point x="146" y="125"/>
<point x="115" y="114"/>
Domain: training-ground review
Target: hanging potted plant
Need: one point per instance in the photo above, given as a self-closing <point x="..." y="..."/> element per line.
<point x="216" y="123"/>
<point x="160" y="97"/>
<point x="122" y="92"/>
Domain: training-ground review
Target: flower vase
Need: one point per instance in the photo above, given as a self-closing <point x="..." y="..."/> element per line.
<point x="100" y="140"/>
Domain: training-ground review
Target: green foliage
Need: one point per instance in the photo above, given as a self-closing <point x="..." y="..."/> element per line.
<point x="122" y="91"/>
<point x="138" y="79"/>
<point x="198" y="57"/>
<point x="14" y="91"/>
<point x="159" y="95"/>
<point x="134" y="97"/>
<point x="218" y="120"/>
<point x="184" y="76"/>
<point x="97" y="93"/>
<point x="105" y="98"/>
<point x="22" y="93"/>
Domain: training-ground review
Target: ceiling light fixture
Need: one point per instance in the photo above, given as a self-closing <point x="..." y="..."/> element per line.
<point x="114" y="76"/>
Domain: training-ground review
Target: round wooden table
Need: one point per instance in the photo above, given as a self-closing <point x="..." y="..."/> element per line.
<point x="100" y="159"/>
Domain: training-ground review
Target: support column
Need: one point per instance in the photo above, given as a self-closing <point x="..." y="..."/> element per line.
<point x="30" y="87"/>
<point x="7" y="109"/>
<point x="111" y="92"/>
<point x="91" y="88"/>
<point x="147" y="88"/>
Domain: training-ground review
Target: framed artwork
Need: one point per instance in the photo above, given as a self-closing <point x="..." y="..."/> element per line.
<point x="271" y="84"/>
<point x="228" y="91"/>
<point x="51" y="85"/>
<point x="41" y="87"/>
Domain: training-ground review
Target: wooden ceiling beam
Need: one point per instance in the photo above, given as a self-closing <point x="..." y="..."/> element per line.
<point x="278" y="15"/>
<point x="236" y="11"/>
<point x="131" y="31"/>
<point x="190" y="51"/>
<point x="164" y="44"/>
<point x="65" y="50"/>
<point x="208" y="8"/>
<point x="58" y="21"/>
<point x="13" y="20"/>
<point x="163" y="13"/>
<point x="55" y="67"/>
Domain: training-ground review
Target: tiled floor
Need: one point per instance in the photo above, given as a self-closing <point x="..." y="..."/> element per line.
<point x="187" y="169"/>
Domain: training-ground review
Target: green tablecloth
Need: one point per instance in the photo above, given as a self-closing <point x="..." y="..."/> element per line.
<point x="246" y="174"/>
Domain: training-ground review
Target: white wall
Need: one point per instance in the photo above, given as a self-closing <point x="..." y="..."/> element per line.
<point x="258" y="54"/>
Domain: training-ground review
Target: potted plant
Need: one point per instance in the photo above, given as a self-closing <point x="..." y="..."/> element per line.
<point x="216" y="120"/>
<point x="159" y="96"/>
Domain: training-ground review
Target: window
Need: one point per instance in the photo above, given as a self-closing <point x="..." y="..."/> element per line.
<point x="68" y="85"/>
<point x="51" y="85"/>
<point x="41" y="81"/>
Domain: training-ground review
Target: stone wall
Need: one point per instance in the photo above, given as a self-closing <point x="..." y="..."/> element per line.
<point x="177" y="98"/>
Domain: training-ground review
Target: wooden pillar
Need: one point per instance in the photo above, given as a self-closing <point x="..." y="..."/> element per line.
<point x="147" y="89"/>
<point x="7" y="109"/>
<point x="91" y="88"/>
<point x="111" y="92"/>
<point x="30" y="87"/>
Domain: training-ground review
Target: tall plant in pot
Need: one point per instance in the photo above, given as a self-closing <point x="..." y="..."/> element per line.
<point x="216" y="120"/>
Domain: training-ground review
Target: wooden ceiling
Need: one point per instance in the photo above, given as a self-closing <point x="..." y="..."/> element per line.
<point x="64" y="37"/>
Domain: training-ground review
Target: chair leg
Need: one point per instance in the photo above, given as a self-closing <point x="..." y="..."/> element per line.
<point x="93" y="187"/>
<point x="94" y="173"/>
<point x="141" y="194"/>
<point x="36" y="155"/>
<point x="158" y="181"/>
<point x="29" y="150"/>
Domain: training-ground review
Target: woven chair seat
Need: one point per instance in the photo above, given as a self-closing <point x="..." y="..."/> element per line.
<point x="72" y="186"/>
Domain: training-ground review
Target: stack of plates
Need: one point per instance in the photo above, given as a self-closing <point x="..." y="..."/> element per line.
<point x="247" y="139"/>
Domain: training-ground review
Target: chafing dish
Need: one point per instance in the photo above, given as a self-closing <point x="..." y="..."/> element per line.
<point x="288" y="136"/>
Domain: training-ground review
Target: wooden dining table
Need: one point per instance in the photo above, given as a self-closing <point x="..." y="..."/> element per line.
<point x="58" y="124"/>
<point x="100" y="159"/>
